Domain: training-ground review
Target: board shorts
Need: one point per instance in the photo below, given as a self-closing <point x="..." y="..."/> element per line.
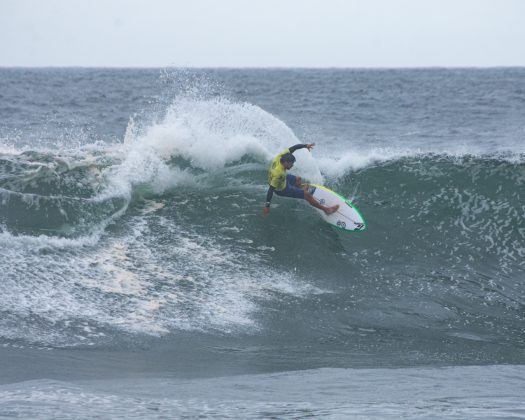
<point x="291" y="190"/>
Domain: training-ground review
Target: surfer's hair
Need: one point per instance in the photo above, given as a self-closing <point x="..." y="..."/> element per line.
<point x="287" y="157"/>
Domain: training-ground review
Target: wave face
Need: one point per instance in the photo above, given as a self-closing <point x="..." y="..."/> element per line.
<point x="127" y="240"/>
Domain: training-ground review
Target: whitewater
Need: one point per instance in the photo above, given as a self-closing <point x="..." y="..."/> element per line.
<point x="140" y="278"/>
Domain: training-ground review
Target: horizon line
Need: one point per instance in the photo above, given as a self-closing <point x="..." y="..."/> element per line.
<point x="111" y="67"/>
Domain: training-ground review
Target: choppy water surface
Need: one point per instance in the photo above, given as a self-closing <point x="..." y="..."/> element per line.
<point x="133" y="243"/>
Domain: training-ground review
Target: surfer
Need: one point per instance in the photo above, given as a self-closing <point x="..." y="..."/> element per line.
<point x="287" y="185"/>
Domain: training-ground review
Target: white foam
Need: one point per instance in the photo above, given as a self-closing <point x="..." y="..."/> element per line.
<point x="139" y="283"/>
<point x="44" y="241"/>
<point x="213" y="133"/>
<point x="335" y="166"/>
<point x="9" y="149"/>
<point x="209" y="134"/>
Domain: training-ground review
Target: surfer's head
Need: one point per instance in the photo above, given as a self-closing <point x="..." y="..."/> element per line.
<point x="287" y="160"/>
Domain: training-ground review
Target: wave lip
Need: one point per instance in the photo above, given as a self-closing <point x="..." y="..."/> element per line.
<point x="336" y="166"/>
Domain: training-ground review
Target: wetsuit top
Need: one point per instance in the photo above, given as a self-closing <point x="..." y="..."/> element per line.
<point x="277" y="173"/>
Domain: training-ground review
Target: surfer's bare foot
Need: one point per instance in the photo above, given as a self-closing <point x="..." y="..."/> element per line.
<point x="333" y="209"/>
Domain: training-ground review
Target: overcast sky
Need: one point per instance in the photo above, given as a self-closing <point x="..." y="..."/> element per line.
<point x="262" y="33"/>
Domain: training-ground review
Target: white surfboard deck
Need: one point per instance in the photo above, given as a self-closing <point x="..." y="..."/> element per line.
<point x="347" y="217"/>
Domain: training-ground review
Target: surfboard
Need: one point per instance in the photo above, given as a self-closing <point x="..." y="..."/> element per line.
<point x="347" y="216"/>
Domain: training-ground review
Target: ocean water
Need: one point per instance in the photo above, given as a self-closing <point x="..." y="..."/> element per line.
<point x="140" y="280"/>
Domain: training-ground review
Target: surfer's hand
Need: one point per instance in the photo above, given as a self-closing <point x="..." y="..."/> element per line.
<point x="310" y="146"/>
<point x="266" y="211"/>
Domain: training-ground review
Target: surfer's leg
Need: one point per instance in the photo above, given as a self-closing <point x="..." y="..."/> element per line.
<point x="291" y="180"/>
<point x="296" y="181"/>
<point x="295" y="192"/>
<point x="328" y="210"/>
<point x="291" y="190"/>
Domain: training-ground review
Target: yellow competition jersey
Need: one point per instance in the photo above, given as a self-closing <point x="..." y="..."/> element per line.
<point x="277" y="173"/>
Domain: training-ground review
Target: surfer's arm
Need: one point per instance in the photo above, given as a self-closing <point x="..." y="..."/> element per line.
<point x="309" y="146"/>
<point x="269" y="196"/>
